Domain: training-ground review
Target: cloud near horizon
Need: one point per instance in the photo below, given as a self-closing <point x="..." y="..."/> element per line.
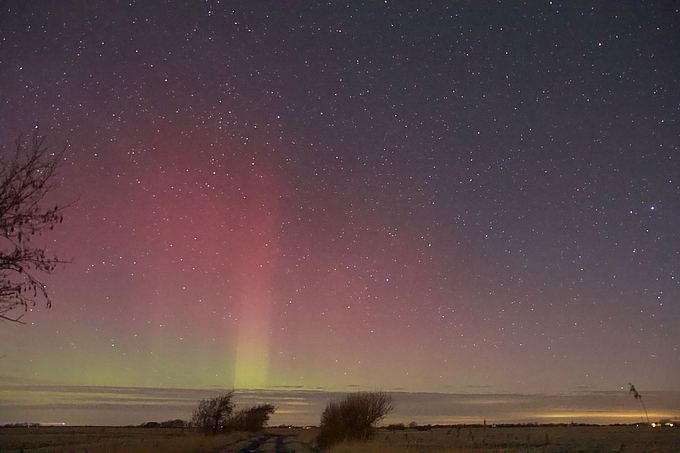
<point x="86" y="405"/>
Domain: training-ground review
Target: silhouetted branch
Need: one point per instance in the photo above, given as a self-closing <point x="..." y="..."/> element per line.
<point x="638" y="397"/>
<point x="26" y="177"/>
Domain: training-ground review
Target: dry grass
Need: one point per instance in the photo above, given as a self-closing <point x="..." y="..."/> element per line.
<point x="543" y="439"/>
<point x="109" y="440"/>
<point x="521" y="439"/>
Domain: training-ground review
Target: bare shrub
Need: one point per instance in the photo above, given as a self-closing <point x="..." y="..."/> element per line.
<point x="217" y="415"/>
<point x="353" y="418"/>
<point x="213" y="415"/>
<point x="252" y="419"/>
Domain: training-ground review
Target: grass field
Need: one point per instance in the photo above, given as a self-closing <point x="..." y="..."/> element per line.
<point x="109" y="440"/>
<point x="544" y="439"/>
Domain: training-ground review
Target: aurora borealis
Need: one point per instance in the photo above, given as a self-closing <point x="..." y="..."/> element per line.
<point x="442" y="197"/>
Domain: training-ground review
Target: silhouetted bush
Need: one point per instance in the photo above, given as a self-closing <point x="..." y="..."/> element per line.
<point x="217" y="415"/>
<point x="353" y="418"/>
<point x="252" y="419"/>
<point x="214" y="415"/>
<point x="178" y="423"/>
<point x="150" y="425"/>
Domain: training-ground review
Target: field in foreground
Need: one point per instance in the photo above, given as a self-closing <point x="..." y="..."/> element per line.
<point x="109" y="440"/>
<point x="544" y="439"/>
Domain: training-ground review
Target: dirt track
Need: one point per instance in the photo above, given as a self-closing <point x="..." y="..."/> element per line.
<point x="268" y="443"/>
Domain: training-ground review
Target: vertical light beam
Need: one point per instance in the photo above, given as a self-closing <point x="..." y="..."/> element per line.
<point x="255" y="301"/>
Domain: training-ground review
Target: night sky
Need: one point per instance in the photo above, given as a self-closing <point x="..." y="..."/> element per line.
<point x="476" y="198"/>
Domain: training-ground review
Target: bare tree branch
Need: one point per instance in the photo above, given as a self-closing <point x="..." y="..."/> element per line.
<point x="27" y="175"/>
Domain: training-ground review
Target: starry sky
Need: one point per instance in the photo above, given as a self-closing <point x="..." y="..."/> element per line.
<point x="454" y="197"/>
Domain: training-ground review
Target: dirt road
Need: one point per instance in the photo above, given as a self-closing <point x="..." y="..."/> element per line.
<point x="268" y="443"/>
